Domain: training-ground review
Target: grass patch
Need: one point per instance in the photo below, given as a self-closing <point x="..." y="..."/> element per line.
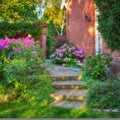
<point x="17" y="109"/>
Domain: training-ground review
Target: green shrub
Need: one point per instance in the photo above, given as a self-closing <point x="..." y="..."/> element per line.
<point x="3" y="60"/>
<point x="19" y="29"/>
<point x="109" y="22"/>
<point x="104" y="95"/>
<point x="59" y="43"/>
<point x="51" y="33"/>
<point x="23" y="69"/>
<point x="50" y="46"/>
<point x="96" y="66"/>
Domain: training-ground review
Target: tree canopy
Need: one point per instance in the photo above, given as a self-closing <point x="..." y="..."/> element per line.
<point x="53" y="12"/>
<point x="109" y="22"/>
<point x="17" y="10"/>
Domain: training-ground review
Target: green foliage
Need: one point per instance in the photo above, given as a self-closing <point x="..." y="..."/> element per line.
<point x="22" y="70"/>
<point x="19" y="29"/>
<point x="59" y="43"/>
<point x="2" y="92"/>
<point x="3" y="60"/>
<point x="96" y="66"/>
<point x="104" y="95"/>
<point x="17" y="10"/>
<point x="54" y="13"/>
<point x="50" y="46"/>
<point x="109" y="22"/>
<point x="51" y="33"/>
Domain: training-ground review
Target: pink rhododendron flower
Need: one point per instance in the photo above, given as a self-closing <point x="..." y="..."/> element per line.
<point x="35" y="53"/>
<point x="64" y="45"/>
<point x="58" y="58"/>
<point x="60" y="54"/>
<point x="41" y="65"/>
<point x="90" y="68"/>
<point x="73" y="48"/>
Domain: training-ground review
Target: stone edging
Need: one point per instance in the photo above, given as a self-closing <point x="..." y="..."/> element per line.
<point x="107" y="110"/>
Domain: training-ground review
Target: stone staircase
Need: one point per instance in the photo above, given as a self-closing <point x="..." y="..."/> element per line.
<point x="69" y="93"/>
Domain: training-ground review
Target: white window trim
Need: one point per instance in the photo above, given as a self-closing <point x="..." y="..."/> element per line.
<point x="98" y="37"/>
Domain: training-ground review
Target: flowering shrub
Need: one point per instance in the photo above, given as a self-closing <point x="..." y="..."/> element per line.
<point x="22" y="43"/>
<point x="68" y="55"/>
<point x="22" y="70"/>
<point x="9" y="47"/>
<point x="22" y="64"/>
<point x="96" y="66"/>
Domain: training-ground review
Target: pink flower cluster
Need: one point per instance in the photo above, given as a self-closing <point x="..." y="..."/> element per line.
<point x="66" y="53"/>
<point x="23" y="43"/>
<point x="79" y="52"/>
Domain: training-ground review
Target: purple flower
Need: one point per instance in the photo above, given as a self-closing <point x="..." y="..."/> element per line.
<point x="2" y="47"/>
<point x="63" y="50"/>
<point x="60" y="55"/>
<point x="56" y="50"/>
<point x="73" y="48"/>
<point x="35" y="53"/>
<point x="10" y="54"/>
<point x="64" y="45"/>
<point x="58" y="58"/>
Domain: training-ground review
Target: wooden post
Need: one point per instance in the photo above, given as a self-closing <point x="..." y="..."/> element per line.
<point x="43" y="38"/>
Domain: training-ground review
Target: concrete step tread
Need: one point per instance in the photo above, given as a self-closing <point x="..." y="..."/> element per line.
<point x="69" y="104"/>
<point x="65" y="77"/>
<point x="70" y="82"/>
<point x="69" y="92"/>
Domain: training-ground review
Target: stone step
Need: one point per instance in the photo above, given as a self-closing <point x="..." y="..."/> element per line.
<point x="65" y="78"/>
<point x="69" y="104"/>
<point x="71" y="84"/>
<point x="68" y="94"/>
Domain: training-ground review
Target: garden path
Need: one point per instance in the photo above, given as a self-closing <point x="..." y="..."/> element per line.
<point x="70" y="91"/>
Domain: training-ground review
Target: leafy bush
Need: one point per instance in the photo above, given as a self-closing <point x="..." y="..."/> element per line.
<point x="96" y="66"/>
<point x="50" y="46"/>
<point x="9" y="47"/>
<point x="68" y="55"/>
<point x="59" y="43"/>
<point x="23" y="68"/>
<point x="109" y="22"/>
<point x="51" y="33"/>
<point x="104" y="95"/>
<point x="19" y="29"/>
<point x="17" y="10"/>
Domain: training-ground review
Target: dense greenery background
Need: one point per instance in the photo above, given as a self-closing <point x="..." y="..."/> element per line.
<point x="19" y="29"/>
<point x="109" y="22"/>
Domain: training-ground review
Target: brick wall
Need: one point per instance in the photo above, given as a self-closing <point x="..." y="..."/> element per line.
<point x="81" y="31"/>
